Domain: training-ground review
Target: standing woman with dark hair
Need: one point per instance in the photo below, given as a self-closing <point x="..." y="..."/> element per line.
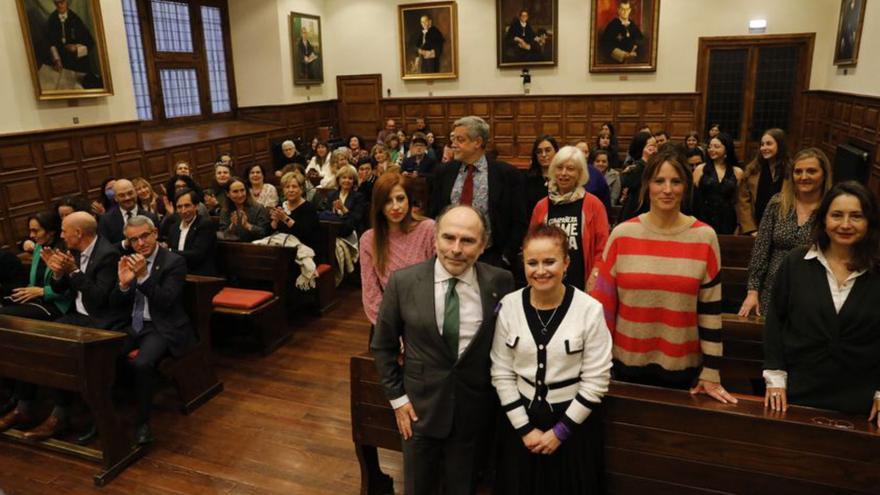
<point x="242" y="219"/>
<point x="822" y="333"/>
<point x="660" y="285"/>
<point x="787" y="223"/>
<point x="716" y="186"/>
<point x="642" y="147"/>
<point x="692" y="143"/>
<point x="761" y="180"/>
<point x="543" y="150"/>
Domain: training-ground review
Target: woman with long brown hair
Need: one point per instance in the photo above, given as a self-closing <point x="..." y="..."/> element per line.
<point x="762" y="178"/>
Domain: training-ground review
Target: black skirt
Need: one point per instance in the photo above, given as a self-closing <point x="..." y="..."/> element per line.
<point x="575" y="468"/>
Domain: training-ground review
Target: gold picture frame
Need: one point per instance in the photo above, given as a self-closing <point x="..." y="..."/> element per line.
<point x="308" y="55"/>
<point x="67" y="60"/>
<point x="615" y="47"/>
<point x="428" y="39"/>
<point x="849" y="32"/>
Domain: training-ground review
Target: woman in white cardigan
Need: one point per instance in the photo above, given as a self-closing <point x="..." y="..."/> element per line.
<point x="551" y="362"/>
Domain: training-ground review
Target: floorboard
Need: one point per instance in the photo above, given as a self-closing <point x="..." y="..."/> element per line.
<point x="281" y="426"/>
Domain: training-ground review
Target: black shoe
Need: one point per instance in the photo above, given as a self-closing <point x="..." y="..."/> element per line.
<point x="89" y="436"/>
<point x="144" y="435"/>
<point x="382" y="485"/>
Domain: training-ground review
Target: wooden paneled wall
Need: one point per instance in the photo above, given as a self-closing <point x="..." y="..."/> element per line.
<point x="296" y="120"/>
<point x="838" y="118"/>
<point x="516" y="121"/>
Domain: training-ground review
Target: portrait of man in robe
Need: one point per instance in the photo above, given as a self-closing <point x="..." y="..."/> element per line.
<point x="624" y="35"/>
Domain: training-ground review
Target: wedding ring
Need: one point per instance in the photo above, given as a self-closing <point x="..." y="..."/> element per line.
<point x="775" y="394"/>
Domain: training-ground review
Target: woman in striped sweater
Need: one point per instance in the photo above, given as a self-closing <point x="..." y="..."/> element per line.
<point x="659" y="285"/>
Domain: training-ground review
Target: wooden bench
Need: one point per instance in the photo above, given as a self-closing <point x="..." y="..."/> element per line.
<point x="742" y="364"/>
<point x="736" y="251"/>
<point x="667" y="441"/>
<point x="193" y="373"/>
<point x="77" y="359"/>
<point x="254" y="266"/>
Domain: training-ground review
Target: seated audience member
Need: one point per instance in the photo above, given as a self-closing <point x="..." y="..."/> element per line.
<point x="356" y="150"/>
<point x="434" y="151"/>
<point x="289" y="155"/>
<point x="716" y="183"/>
<point x="258" y="189"/>
<point x="390" y="128"/>
<point x="673" y="260"/>
<point x="692" y="142"/>
<point x="643" y="146"/>
<point x="191" y="235"/>
<point x="492" y="187"/>
<point x="322" y="162"/>
<point x="695" y="158"/>
<point x="296" y="216"/>
<point x="404" y="143"/>
<point x="421" y="126"/>
<point x="366" y="178"/>
<point x="602" y="164"/>
<point x="536" y="179"/>
<point x="762" y="178"/>
<point x="821" y="338"/>
<point x="243" y="219"/>
<point x="381" y="159"/>
<point x="174" y="186"/>
<point x="448" y="154"/>
<point x="418" y="163"/>
<point x="714" y="130"/>
<point x="105" y="202"/>
<point x="597" y="186"/>
<point x="605" y="142"/>
<point x="787" y="223"/>
<point x="147" y="198"/>
<point x="398" y="239"/>
<point x="182" y="168"/>
<point x="216" y="200"/>
<point x="553" y="422"/>
<point x="69" y="204"/>
<point x="226" y="159"/>
<point x="578" y="213"/>
<point x="313" y="180"/>
<point x="662" y="138"/>
<point x="311" y="150"/>
<point x="151" y="283"/>
<point x="392" y="145"/>
<point x="346" y="205"/>
<point x="37" y="300"/>
<point x="112" y="223"/>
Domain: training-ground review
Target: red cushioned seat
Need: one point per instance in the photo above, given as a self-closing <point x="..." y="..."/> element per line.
<point x="323" y="268"/>
<point x="231" y="297"/>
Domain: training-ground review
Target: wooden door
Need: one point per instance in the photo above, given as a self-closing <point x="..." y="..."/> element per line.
<point x="752" y="83"/>
<point x="359" y="104"/>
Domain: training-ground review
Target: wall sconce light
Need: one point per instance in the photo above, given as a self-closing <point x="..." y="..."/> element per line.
<point x="757" y="26"/>
<point x="527" y="80"/>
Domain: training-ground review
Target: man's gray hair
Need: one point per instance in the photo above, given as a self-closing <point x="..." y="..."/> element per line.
<point x="285" y="143"/>
<point x="484" y="223"/>
<point x="475" y="127"/>
<point x="139" y="220"/>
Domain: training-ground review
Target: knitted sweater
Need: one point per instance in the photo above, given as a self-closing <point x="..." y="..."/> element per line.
<point x="661" y="292"/>
<point x="403" y="250"/>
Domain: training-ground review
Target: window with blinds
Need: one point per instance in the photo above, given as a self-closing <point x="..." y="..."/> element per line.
<point x="136" y="57"/>
<point x="180" y="88"/>
<point x="212" y="26"/>
<point x="172" y="27"/>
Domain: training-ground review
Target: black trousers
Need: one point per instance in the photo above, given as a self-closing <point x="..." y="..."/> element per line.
<point x="429" y="463"/>
<point x="152" y="347"/>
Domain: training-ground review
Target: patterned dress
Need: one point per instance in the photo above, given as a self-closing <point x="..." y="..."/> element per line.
<point x="776" y="237"/>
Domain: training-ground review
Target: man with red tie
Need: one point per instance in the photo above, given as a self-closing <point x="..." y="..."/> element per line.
<point x="493" y="187"/>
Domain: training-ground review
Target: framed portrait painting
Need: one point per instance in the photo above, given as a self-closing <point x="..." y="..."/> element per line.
<point x="623" y="35"/>
<point x="66" y="48"/>
<point x="526" y="32"/>
<point x="428" y="40"/>
<point x="307" y="49"/>
<point x="849" y="32"/>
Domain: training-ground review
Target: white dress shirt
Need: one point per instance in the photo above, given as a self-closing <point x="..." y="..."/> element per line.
<point x="184" y="230"/>
<point x="83" y="264"/>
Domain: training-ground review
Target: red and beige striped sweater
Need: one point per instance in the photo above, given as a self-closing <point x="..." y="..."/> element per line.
<point x="661" y="293"/>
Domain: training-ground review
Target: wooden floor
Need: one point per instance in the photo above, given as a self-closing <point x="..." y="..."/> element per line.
<point x="281" y="426"/>
<point x="163" y="138"/>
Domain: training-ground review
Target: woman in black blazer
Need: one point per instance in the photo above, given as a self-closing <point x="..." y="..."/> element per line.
<point x="822" y="333"/>
<point x="345" y="204"/>
<point x="200" y="242"/>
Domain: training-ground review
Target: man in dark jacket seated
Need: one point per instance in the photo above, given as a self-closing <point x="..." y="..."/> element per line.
<point x="191" y="235"/>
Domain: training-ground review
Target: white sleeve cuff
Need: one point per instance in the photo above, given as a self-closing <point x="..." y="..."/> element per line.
<point x="54" y="52"/>
<point x="400" y="401"/>
<point x="877" y="395"/>
<point x="81" y="51"/>
<point x="775" y="378"/>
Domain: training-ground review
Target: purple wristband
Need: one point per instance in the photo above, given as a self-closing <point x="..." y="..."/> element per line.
<point x="561" y="431"/>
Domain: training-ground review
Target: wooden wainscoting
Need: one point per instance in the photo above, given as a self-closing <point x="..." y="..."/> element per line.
<point x="295" y="120"/>
<point x="517" y="120"/>
<point x="837" y="118"/>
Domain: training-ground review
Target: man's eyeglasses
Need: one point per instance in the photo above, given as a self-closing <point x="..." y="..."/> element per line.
<point x="141" y="238"/>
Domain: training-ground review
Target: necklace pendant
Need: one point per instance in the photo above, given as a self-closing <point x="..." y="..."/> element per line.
<point x="544" y="331"/>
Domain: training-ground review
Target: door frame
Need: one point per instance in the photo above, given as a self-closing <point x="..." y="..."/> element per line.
<point x="708" y="43"/>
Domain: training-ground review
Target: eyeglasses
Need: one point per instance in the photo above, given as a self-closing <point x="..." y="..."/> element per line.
<point x="141" y="238"/>
<point x="835" y="423"/>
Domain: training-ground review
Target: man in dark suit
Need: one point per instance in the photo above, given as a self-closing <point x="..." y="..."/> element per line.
<point x="151" y="283"/>
<point x="418" y="163"/>
<point x="309" y="59"/>
<point x="429" y="44"/>
<point x="112" y="223"/>
<point x="521" y="43"/>
<point x="71" y="44"/>
<point x="90" y="271"/>
<point x="191" y="235"/>
<point x="494" y="188"/>
<point x="442" y="396"/>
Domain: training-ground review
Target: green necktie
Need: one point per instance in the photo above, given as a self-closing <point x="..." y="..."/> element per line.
<point x="451" y="317"/>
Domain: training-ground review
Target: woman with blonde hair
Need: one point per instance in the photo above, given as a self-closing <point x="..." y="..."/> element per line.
<point x="345" y="204"/>
<point x="147" y="197"/>
<point x="786" y="224"/>
<point x="577" y="212"/>
<point x="381" y="158"/>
